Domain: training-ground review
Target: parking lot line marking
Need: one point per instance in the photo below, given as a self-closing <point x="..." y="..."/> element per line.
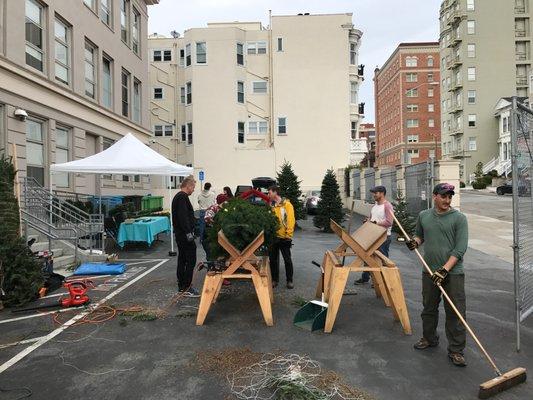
<point x="3" y="346"/>
<point x="41" y="314"/>
<point x="9" y="363"/>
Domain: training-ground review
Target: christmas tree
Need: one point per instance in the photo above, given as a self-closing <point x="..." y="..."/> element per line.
<point x="402" y="215"/>
<point x="21" y="274"/>
<point x="289" y="186"/>
<point x="330" y="203"/>
<point x="241" y="222"/>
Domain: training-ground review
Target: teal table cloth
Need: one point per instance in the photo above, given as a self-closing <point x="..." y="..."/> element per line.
<point x="142" y="230"/>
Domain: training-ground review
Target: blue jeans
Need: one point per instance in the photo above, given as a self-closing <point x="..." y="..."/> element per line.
<point x="384" y="249"/>
<point x="201" y="224"/>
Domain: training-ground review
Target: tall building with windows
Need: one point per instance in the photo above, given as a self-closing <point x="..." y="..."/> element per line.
<point x="79" y="70"/>
<point x="485" y="56"/>
<point x="407" y="97"/>
<point x="236" y="100"/>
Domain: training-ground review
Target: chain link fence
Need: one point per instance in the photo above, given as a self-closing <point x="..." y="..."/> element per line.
<point x="389" y="180"/>
<point x="357" y="184"/>
<point x="370" y="182"/>
<point x="521" y="151"/>
<point x="417" y="190"/>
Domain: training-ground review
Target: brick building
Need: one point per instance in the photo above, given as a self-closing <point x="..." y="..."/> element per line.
<point x="407" y="97"/>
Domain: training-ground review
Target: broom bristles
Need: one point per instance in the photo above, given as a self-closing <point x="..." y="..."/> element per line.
<point x="502" y="382"/>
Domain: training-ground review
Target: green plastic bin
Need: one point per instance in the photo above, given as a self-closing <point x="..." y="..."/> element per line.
<point x="152" y="203"/>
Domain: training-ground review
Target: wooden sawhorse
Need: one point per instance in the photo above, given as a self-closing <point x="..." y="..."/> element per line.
<point x="257" y="269"/>
<point x="363" y="244"/>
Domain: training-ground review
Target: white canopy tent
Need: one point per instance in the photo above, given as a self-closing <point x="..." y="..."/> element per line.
<point x="128" y="156"/>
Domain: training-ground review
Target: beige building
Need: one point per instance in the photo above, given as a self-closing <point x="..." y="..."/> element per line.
<point x="236" y="100"/>
<point x="485" y="56"/>
<point x="74" y="78"/>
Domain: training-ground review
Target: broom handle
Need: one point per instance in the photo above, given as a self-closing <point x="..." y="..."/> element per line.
<point x="450" y="302"/>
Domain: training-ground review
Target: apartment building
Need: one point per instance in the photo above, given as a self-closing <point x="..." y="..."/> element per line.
<point x="485" y="56"/>
<point x="74" y="79"/>
<point x="367" y="131"/>
<point x="407" y="98"/>
<point x="236" y="100"/>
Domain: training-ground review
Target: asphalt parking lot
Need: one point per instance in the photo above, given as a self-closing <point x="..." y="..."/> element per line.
<point x="127" y="359"/>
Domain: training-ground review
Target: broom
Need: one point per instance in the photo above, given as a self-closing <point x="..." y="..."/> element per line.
<point x="502" y="381"/>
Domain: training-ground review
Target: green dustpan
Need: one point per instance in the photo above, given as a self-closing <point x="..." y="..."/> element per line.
<point x="312" y="316"/>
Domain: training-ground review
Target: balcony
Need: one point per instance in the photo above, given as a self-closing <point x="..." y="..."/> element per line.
<point x="520" y="33"/>
<point x="456" y="85"/>
<point x="455" y="40"/>
<point x="456" y="108"/>
<point x="520" y="10"/>
<point x="456" y="130"/>
<point x="521" y="81"/>
<point x="457" y="15"/>
<point x="455" y="62"/>
<point x="361" y="108"/>
<point x="361" y="70"/>
<point x="458" y="153"/>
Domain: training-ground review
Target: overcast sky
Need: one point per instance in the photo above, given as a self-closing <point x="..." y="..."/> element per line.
<point x="384" y="23"/>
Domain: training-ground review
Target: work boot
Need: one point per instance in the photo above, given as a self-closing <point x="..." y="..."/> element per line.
<point x="423" y="344"/>
<point x="290" y="285"/>
<point x="457" y="359"/>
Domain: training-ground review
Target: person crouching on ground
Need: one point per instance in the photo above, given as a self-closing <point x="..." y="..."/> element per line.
<point x="444" y="232"/>
<point x="283" y="242"/>
<point x="184" y="222"/>
<point x="381" y="214"/>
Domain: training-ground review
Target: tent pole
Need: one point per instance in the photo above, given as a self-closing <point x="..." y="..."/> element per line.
<point x="171" y="252"/>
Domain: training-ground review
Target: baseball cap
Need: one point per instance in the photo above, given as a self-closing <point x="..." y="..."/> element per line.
<point x="381" y="189"/>
<point x="444" y="188"/>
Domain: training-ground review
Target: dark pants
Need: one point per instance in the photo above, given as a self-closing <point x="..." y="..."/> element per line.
<point x="283" y="246"/>
<point x="186" y="263"/>
<point x="201" y="224"/>
<point x="454" y="285"/>
<point x="384" y="249"/>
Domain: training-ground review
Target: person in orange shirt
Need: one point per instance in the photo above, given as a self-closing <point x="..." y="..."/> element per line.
<point x="283" y="242"/>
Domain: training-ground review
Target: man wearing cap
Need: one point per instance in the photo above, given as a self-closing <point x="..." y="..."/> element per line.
<point x="381" y="214"/>
<point x="444" y="232"/>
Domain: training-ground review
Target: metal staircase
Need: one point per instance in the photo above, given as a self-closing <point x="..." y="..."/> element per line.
<point x="57" y="219"/>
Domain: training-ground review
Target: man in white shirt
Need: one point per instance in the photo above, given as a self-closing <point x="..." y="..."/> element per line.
<point x="382" y="215"/>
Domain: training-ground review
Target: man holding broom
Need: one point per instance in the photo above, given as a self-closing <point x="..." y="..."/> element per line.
<point x="444" y="232"/>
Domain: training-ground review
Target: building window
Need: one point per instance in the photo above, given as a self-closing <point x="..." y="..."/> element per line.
<point x="353" y="130"/>
<point x="431" y="123"/>
<point x="431" y="107"/>
<point x="471" y="120"/>
<point x="412" y="138"/>
<point x="413" y="153"/>
<point x="471" y="50"/>
<point x="353" y="53"/>
<point x="430" y="93"/>
<point x="240" y="132"/>
<point x="411" y="77"/>
<point x="136" y="101"/>
<point x="189" y="133"/>
<point x="90" y="70"/>
<point x="124" y="20"/>
<point x="136" y="28"/>
<point x="411" y="61"/>
<point x="184" y="133"/>
<point x="412" y="123"/>
<point x="471" y="73"/>
<point x="471" y="27"/>
<point x="158" y="93"/>
<point x="430" y="61"/>
<point x="240" y="54"/>
<point x="167" y="55"/>
<point x="157" y="55"/>
<point x="158" y="130"/>
<point x="182" y="94"/>
<point x="240" y="92"/>
<point x="280" y="44"/>
<point x="169" y="130"/>
<point x="282" y="126"/>
<point x="201" y="53"/>
<point x="505" y="124"/>
<point x="125" y="84"/>
<point x="412" y="107"/>
<point x="106" y="10"/>
<point x="353" y="92"/>
<point x="187" y="55"/>
<point x="182" y="57"/>
<point x="256" y="47"/>
<point x="472" y="144"/>
<point x="35" y="150"/>
<point x="189" y="92"/>
<point x="62" y="50"/>
<point x="257" y="127"/>
<point x="107" y="82"/>
<point x="89" y="3"/>
<point x="62" y="155"/>
<point x="430" y="77"/>
<point x="470" y="6"/>
<point x="34" y="35"/>
<point x="471" y="97"/>
<point x="125" y="178"/>
<point x="259" y="87"/>
<point x="412" y="93"/>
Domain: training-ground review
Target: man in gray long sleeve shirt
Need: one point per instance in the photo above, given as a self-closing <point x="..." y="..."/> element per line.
<point x="444" y="233"/>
